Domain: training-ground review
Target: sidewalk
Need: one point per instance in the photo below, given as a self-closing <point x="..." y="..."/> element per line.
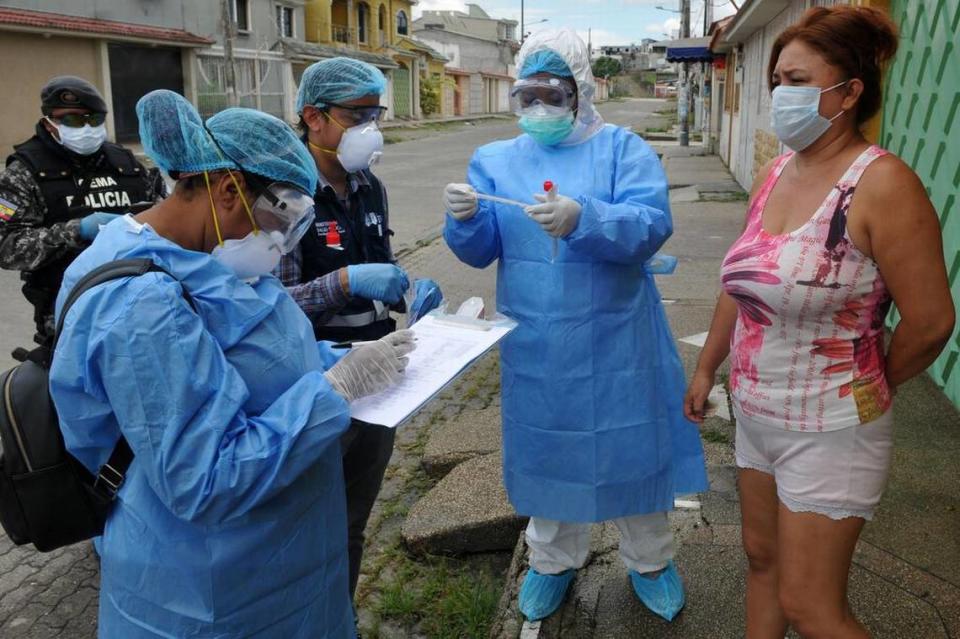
<point x="906" y="576"/>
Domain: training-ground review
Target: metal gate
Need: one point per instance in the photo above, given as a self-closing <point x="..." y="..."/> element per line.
<point x="401" y="92"/>
<point x="921" y="124"/>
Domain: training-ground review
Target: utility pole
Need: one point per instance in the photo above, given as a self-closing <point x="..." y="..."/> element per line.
<point x="523" y="35"/>
<point x="229" y="33"/>
<point x="705" y="69"/>
<point x="590" y="45"/>
<point x="683" y="100"/>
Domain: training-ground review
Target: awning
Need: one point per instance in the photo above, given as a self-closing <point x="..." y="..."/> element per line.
<point x="311" y="52"/>
<point x="46" y="22"/>
<point x="689" y="50"/>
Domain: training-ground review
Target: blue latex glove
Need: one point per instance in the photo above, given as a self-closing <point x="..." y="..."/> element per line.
<point x="90" y="225"/>
<point x="429" y="296"/>
<point x="381" y="282"/>
<point x="661" y="264"/>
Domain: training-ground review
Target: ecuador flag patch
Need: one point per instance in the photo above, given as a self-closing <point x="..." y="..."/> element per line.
<point x="7" y="210"/>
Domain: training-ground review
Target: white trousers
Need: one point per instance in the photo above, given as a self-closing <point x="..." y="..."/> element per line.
<point x="646" y="543"/>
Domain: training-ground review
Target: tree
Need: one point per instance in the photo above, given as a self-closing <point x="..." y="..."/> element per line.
<point x="605" y="67"/>
<point x="431" y="93"/>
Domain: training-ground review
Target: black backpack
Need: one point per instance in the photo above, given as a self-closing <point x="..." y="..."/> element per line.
<point x="47" y="497"/>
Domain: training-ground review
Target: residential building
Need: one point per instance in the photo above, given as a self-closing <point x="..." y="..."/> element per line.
<point x="481" y="53"/>
<point x="379" y="32"/>
<point x="108" y="43"/>
<point x="919" y="120"/>
<point x="128" y="49"/>
<point x="633" y="57"/>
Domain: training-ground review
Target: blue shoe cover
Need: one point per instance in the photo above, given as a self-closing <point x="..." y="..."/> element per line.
<point x="541" y="595"/>
<point x="663" y="595"/>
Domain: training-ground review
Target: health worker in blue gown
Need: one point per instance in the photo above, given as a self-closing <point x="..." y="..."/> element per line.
<point x="593" y="426"/>
<point x="231" y="519"/>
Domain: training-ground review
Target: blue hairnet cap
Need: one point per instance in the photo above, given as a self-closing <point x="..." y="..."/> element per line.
<point x="338" y="80"/>
<point x="261" y="144"/>
<point x="174" y="136"/>
<point x="545" y="61"/>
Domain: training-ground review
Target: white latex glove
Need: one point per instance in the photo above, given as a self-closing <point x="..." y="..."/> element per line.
<point x="460" y="200"/>
<point x="558" y="217"/>
<point x="371" y="368"/>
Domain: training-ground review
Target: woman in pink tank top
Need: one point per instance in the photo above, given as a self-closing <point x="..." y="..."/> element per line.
<point x="836" y="231"/>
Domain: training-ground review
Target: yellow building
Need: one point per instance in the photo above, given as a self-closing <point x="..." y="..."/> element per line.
<point x="375" y="31"/>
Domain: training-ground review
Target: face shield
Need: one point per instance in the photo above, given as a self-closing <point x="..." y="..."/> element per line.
<point x="555" y="94"/>
<point x="284" y="212"/>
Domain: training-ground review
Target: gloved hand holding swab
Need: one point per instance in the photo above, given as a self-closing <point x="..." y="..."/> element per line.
<point x="494" y="198"/>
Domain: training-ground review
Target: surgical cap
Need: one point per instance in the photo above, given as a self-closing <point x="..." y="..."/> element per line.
<point x="174" y="136"/>
<point x="338" y="80"/>
<point x="545" y="61"/>
<point x="264" y="145"/>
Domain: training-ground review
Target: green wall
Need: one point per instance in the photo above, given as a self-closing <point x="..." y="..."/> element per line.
<point x="921" y="124"/>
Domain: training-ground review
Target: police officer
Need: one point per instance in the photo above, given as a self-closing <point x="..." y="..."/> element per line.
<point x="60" y="186"/>
<point x="344" y="274"/>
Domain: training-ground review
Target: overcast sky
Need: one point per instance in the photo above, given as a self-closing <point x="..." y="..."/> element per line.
<point x="612" y="21"/>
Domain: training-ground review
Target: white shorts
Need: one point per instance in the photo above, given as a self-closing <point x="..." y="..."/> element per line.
<point x="840" y="473"/>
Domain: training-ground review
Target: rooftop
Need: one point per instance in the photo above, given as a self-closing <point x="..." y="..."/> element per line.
<point x="44" y="21"/>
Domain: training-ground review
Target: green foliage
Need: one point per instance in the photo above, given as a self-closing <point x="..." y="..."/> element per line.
<point x="605" y="67"/>
<point x="431" y="94"/>
<point x="715" y="436"/>
<point x="442" y="599"/>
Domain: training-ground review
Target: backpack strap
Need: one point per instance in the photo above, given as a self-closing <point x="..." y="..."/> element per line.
<point x="110" y="477"/>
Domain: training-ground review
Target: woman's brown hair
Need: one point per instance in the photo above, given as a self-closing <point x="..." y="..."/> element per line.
<point x="859" y="40"/>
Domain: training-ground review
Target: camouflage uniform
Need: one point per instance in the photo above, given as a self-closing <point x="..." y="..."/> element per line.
<point x="28" y="242"/>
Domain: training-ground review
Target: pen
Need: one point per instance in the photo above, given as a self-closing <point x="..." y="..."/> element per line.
<point x="342" y="345"/>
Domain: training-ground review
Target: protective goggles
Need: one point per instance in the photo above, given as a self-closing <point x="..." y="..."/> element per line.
<point x="360" y="114"/>
<point x="78" y="120"/>
<point x="282" y="211"/>
<point x="552" y="92"/>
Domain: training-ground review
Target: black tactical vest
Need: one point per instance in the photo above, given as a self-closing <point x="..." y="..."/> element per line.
<point x="110" y="180"/>
<point x="340" y="238"/>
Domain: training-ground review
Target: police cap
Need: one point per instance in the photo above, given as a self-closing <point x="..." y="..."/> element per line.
<point x="70" y="92"/>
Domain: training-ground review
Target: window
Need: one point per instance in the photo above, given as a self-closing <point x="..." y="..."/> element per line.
<point x="240" y="14"/>
<point x="285" y="21"/>
<point x="363" y="18"/>
<point x="402" y="26"/>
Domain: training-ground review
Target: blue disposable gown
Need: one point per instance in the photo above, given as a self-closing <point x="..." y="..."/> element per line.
<point x="232" y="520"/>
<point x="593" y="427"/>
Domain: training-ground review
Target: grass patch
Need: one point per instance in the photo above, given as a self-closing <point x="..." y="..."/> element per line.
<point x="440" y="598"/>
<point x="725" y="196"/>
<point x="715" y="436"/>
<point x="655" y="129"/>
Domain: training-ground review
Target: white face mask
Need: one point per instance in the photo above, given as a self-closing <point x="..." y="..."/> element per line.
<point x="255" y="255"/>
<point x="795" y="115"/>
<point x="360" y="147"/>
<point x="85" y="140"/>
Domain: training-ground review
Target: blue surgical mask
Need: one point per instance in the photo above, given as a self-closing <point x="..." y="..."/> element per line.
<point x="547" y="125"/>
<point x="795" y="115"/>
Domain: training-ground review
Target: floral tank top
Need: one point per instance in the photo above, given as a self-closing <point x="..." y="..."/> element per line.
<point x="807" y="351"/>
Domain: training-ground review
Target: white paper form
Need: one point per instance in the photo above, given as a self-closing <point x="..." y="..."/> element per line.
<point x="443" y="352"/>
